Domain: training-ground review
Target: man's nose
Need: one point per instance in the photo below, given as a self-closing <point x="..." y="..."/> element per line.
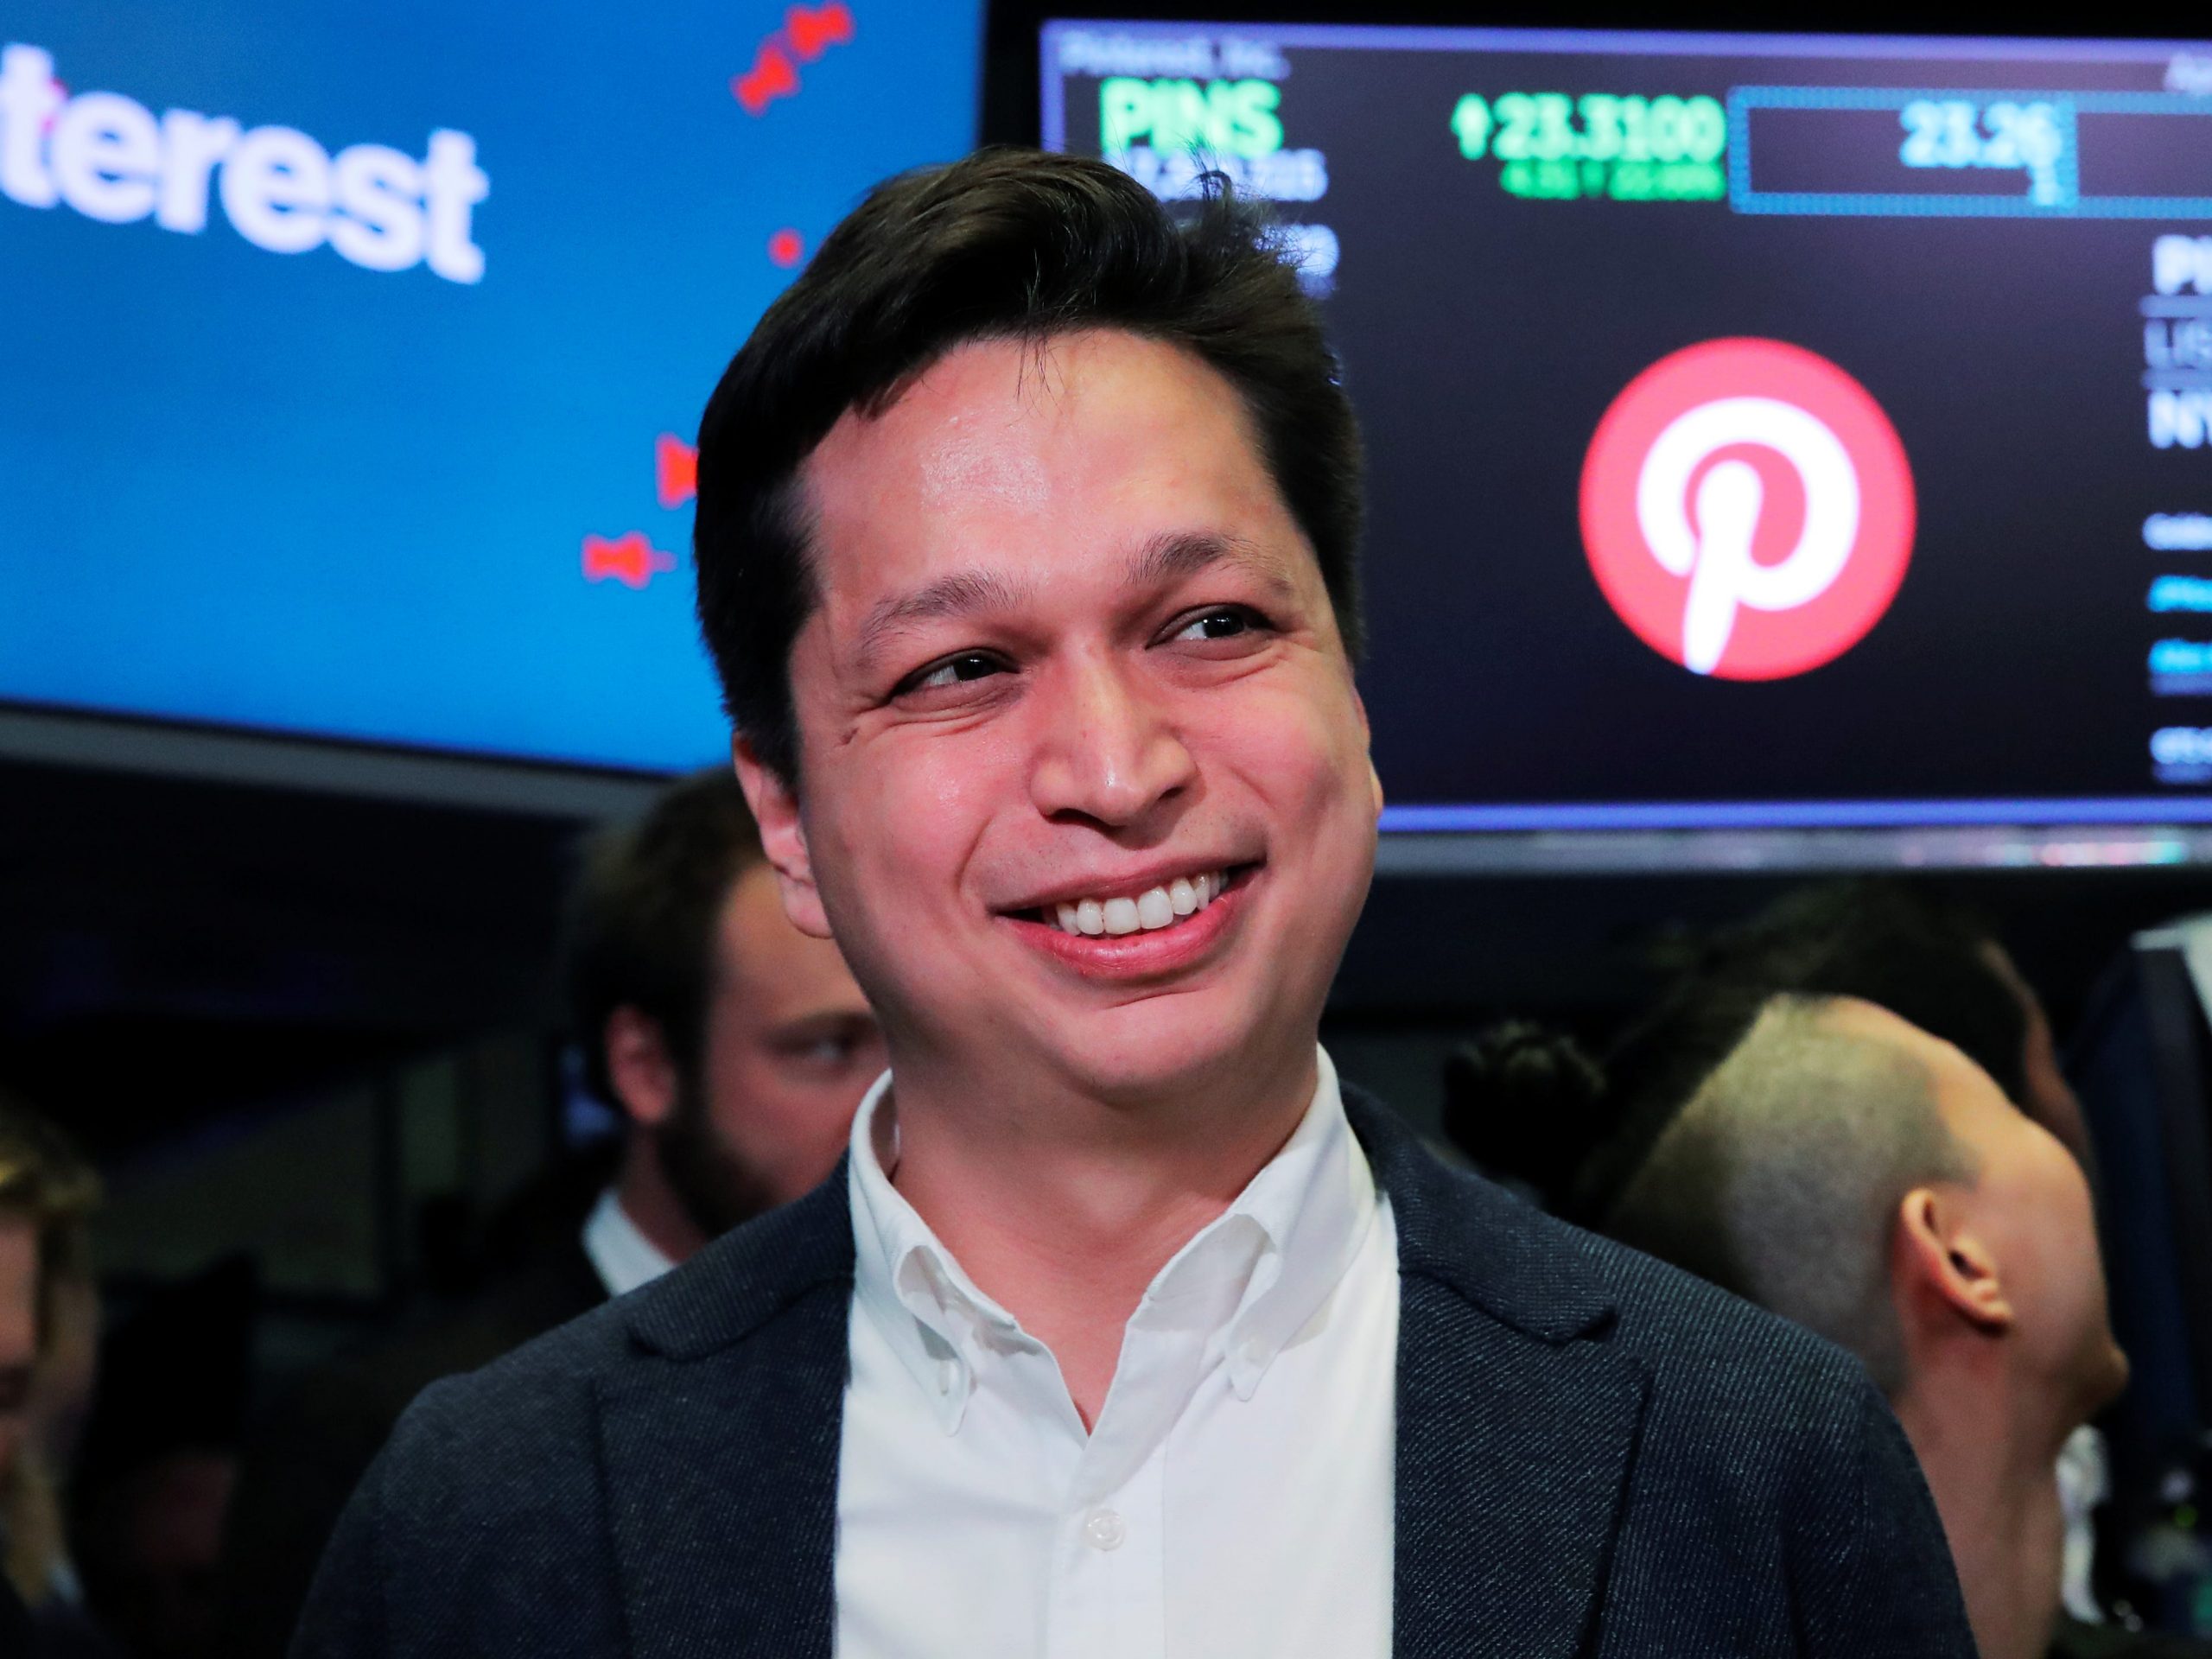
<point x="1107" y="751"/>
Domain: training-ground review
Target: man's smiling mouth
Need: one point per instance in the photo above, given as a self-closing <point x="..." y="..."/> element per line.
<point x="1118" y="913"/>
<point x="1146" y="911"/>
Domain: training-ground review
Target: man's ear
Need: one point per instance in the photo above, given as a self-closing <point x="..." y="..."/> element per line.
<point x="1949" y="1262"/>
<point x="783" y="836"/>
<point x="639" y="1066"/>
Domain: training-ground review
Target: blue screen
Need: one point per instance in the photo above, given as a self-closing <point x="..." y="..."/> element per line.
<point x="352" y="351"/>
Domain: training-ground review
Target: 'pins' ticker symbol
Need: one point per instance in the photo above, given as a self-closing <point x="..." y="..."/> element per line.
<point x="631" y="559"/>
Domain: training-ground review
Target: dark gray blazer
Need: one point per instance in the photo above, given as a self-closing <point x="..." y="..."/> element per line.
<point x="1596" y="1455"/>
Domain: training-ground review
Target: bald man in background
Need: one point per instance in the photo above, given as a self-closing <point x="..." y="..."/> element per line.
<point x="1848" y="1171"/>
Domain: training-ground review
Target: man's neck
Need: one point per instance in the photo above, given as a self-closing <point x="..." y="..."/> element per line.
<point x="1063" y="1208"/>
<point x="1992" y="1465"/>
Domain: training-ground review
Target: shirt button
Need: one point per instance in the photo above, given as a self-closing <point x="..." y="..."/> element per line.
<point x="1103" y="1529"/>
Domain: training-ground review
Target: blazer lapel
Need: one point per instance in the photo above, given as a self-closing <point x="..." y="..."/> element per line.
<point x="1516" y="1422"/>
<point x="720" y="1444"/>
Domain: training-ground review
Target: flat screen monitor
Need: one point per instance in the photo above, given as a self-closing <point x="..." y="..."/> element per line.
<point x="1764" y="432"/>
<point x="352" y="353"/>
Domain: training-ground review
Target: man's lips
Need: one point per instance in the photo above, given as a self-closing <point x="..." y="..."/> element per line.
<point x="1132" y="883"/>
<point x="1146" y="951"/>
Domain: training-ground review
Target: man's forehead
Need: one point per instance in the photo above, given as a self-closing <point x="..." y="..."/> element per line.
<point x="1010" y="426"/>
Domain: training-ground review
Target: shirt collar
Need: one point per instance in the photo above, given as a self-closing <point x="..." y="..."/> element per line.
<point x="620" y="1253"/>
<point x="1271" y="1259"/>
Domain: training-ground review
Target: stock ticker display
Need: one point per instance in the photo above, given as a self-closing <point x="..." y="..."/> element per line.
<point x="353" y="353"/>
<point x="1761" y="431"/>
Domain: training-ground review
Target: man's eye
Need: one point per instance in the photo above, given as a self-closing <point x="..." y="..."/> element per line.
<point x="955" y="671"/>
<point x="831" y="1051"/>
<point x="1216" y="625"/>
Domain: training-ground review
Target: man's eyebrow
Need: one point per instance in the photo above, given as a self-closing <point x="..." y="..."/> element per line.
<point x="1179" y="553"/>
<point x="1171" y="557"/>
<point x="961" y="593"/>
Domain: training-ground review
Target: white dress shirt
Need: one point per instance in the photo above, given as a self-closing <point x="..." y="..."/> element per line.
<point x="1234" y="1498"/>
<point x="620" y="1253"/>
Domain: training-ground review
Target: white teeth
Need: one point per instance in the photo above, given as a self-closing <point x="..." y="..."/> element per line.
<point x="1149" y="911"/>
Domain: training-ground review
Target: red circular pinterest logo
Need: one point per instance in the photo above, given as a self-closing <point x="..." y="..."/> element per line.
<point x="1747" y="509"/>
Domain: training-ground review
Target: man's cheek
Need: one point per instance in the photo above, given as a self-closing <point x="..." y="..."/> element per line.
<point x="1296" y="753"/>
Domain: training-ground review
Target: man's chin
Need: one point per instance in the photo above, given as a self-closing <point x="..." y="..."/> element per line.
<point x="1160" y="1048"/>
<point x="717" y="1189"/>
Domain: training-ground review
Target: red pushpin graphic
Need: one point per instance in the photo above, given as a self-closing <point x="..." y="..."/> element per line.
<point x="771" y="77"/>
<point x="676" y="470"/>
<point x="813" y="30"/>
<point x="631" y="559"/>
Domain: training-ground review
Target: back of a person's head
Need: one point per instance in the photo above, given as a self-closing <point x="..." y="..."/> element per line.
<point x="644" y="915"/>
<point x="1781" y="1176"/>
<point x="1901" y="946"/>
<point x="1004" y="244"/>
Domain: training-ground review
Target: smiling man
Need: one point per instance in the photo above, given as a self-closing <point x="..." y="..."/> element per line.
<point x="1026" y="538"/>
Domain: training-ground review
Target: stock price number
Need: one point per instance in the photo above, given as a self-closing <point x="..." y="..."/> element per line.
<point x="1956" y="132"/>
<point x="1596" y="127"/>
<point x="1553" y="147"/>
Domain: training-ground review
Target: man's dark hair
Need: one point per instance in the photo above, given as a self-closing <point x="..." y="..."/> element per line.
<point x="1007" y="243"/>
<point x="1901" y="946"/>
<point x="1526" y="1104"/>
<point x="643" y="918"/>
<point x="1520" y="1104"/>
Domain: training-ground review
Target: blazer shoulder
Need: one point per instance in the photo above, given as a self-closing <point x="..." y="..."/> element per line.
<point x="534" y="1402"/>
<point x="709" y="1304"/>
<point x="1681" y="1324"/>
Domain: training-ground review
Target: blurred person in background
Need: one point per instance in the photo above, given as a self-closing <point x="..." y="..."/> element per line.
<point x="1854" y="1173"/>
<point x="50" y="1324"/>
<point x="737" y="1048"/>
<point x="1937" y="963"/>
<point x="1901" y="945"/>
